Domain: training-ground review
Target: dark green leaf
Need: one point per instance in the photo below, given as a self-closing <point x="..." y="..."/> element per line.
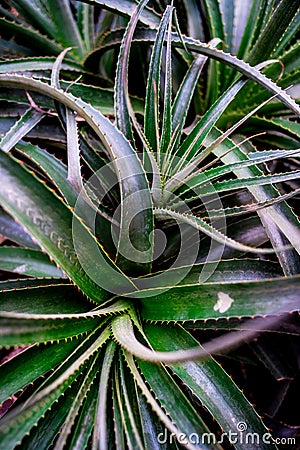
<point x="27" y="262"/>
<point x="127" y="398"/>
<point x="53" y="167"/>
<point x="16" y="330"/>
<point x="275" y="28"/>
<point x="85" y="422"/>
<point x="32" y="363"/>
<point x="66" y="29"/>
<point x="251" y="26"/>
<point x="43" y="435"/>
<point x="27" y="34"/>
<point x="19" y="422"/>
<point x="100" y="433"/>
<point x="288" y="35"/>
<point x="85" y="385"/>
<point x="214" y="300"/>
<point x="46" y="296"/>
<point x="35" y="15"/>
<point x="166" y="131"/>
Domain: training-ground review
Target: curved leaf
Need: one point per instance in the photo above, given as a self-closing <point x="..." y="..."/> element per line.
<point x="148" y="36"/>
<point x="46" y="218"/>
<point x="53" y="167"/>
<point x="33" y="64"/>
<point x="151" y="117"/>
<point x="211" y="384"/>
<point x="132" y="178"/>
<point x="122" y="329"/>
<point x="121" y="81"/>
<point x="127" y="7"/>
<point x="209" y="230"/>
<point x="36" y="39"/>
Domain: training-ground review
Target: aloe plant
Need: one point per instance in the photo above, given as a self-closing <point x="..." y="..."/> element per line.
<point x="120" y="213"/>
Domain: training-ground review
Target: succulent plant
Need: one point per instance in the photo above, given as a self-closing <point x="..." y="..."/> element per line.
<point x="130" y="148"/>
